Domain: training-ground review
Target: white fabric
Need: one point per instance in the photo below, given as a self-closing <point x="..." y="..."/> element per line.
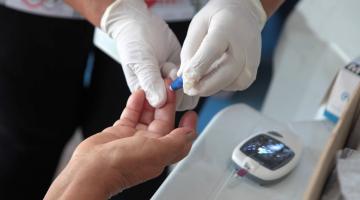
<point x="170" y="10"/>
<point x="50" y="8"/>
<point x="146" y="47"/>
<point x="223" y="46"/>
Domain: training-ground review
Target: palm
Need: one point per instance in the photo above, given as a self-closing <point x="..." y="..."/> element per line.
<point x="140" y="118"/>
<point x="143" y="138"/>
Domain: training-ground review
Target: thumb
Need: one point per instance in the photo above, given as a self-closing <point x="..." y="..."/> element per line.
<point x="196" y="33"/>
<point x="211" y="49"/>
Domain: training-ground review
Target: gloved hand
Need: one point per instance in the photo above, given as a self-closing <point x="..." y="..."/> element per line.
<point x="183" y="101"/>
<point x="144" y="43"/>
<point x="223" y="46"/>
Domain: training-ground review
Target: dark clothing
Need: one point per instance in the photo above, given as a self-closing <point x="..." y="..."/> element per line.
<point x="43" y="99"/>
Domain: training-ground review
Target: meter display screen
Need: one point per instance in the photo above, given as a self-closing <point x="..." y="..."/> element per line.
<point x="268" y="151"/>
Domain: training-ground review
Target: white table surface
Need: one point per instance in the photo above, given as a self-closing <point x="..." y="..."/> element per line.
<point x="204" y="173"/>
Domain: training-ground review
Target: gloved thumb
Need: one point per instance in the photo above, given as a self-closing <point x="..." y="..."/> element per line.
<point x="183" y="101"/>
<point x="211" y="49"/>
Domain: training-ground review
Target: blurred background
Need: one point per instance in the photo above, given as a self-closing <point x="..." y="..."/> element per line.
<point x="54" y="81"/>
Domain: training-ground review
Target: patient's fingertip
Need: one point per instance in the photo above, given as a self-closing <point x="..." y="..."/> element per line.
<point x="189" y="119"/>
<point x="189" y="133"/>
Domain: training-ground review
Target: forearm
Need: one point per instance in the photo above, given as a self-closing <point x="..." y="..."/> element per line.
<point x="270" y="6"/>
<point x="92" y="10"/>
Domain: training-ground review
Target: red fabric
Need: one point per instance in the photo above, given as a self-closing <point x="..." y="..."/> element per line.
<point x="150" y="2"/>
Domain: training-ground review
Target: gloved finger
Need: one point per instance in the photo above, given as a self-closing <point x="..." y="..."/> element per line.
<point x="131" y="79"/>
<point x="211" y="49"/>
<point x="216" y="80"/>
<point x="195" y="35"/>
<point x="187" y="103"/>
<point x="169" y="70"/>
<point x="138" y="56"/>
<point x="245" y="79"/>
<point x="150" y="80"/>
<point x="176" y="49"/>
<point x="183" y="101"/>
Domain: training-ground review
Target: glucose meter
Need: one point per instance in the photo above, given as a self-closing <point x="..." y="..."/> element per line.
<point x="268" y="156"/>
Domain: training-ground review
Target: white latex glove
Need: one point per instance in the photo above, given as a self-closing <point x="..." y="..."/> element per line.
<point x="223" y="46"/>
<point x="183" y="101"/>
<point x="144" y="43"/>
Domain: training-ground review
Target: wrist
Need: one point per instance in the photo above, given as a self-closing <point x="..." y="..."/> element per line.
<point x="87" y="188"/>
<point x="117" y="11"/>
<point x="270" y="6"/>
<point x="75" y="182"/>
<point x="92" y="10"/>
<point x="259" y="10"/>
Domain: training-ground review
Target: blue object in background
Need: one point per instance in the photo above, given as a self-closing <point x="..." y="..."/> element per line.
<point x="330" y="116"/>
<point x="88" y="70"/>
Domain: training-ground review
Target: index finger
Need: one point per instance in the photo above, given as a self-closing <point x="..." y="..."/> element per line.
<point x="164" y="117"/>
<point x="134" y="108"/>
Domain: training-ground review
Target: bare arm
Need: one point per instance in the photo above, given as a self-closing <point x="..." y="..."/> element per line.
<point x="92" y="10"/>
<point x="270" y="6"/>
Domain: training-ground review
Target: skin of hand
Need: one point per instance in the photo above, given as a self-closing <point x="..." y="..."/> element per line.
<point x="271" y="6"/>
<point x="135" y="149"/>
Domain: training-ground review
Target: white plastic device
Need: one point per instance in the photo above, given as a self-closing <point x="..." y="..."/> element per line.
<point x="268" y="155"/>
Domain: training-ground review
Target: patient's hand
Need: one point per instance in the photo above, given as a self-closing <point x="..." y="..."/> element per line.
<point x="136" y="148"/>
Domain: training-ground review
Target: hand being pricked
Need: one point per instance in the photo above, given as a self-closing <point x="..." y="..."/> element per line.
<point x="136" y="148"/>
